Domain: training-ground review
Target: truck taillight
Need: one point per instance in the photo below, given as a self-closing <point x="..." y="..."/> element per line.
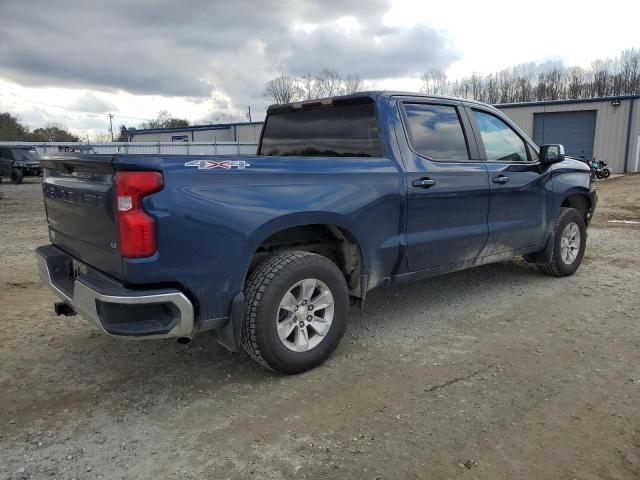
<point x="137" y="229"/>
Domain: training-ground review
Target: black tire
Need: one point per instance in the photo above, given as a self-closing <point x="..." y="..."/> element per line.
<point x="16" y="176"/>
<point x="599" y="174"/>
<point x="265" y="289"/>
<point x="558" y="267"/>
<point x="606" y="173"/>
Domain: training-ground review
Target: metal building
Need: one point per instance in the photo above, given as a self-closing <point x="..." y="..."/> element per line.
<point x="607" y="128"/>
<point x="246" y="132"/>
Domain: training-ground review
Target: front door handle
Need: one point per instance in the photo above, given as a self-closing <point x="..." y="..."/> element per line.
<point x="500" y="179"/>
<point x="424" y="183"/>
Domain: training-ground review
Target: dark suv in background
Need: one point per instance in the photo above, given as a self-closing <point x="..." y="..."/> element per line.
<point x="19" y="162"/>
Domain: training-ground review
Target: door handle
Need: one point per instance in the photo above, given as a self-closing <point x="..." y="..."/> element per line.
<point x="500" y="179"/>
<point x="424" y="183"/>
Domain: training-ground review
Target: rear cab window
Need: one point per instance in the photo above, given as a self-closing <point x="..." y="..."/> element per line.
<point x="435" y="131"/>
<point x="348" y="129"/>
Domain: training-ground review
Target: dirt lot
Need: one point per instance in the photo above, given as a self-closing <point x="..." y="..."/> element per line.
<point x="497" y="372"/>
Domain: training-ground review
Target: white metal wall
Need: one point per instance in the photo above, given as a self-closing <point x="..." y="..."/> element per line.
<point x="163" y="148"/>
<point x="243" y="133"/>
<point x="612" y="124"/>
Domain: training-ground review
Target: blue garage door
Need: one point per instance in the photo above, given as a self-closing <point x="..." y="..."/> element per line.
<point x="574" y="130"/>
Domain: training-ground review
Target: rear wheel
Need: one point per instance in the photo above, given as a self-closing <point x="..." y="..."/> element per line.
<point x="296" y="311"/>
<point x="569" y="241"/>
<point x="16" y="176"/>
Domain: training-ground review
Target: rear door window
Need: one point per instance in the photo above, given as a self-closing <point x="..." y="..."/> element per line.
<point x="436" y="131"/>
<point x="344" y="130"/>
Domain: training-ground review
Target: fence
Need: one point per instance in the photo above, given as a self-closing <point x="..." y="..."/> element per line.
<point x="163" y="148"/>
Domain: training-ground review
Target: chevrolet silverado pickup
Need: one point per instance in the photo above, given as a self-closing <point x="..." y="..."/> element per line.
<point x="344" y="195"/>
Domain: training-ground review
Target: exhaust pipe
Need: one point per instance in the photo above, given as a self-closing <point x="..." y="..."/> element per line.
<point x="184" y="340"/>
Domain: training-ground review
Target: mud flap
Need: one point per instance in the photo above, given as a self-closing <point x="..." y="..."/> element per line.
<point x="229" y="336"/>
<point x="542" y="257"/>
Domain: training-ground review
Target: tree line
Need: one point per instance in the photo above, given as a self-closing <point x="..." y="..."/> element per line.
<point x="543" y="81"/>
<point x="163" y="119"/>
<point x="325" y="83"/>
<point x="12" y="129"/>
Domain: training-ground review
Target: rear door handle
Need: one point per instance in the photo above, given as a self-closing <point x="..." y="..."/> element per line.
<point x="424" y="183"/>
<point x="500" y="179"/>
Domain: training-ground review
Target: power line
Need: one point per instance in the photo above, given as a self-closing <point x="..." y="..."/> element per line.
<point x="71" y="109"/>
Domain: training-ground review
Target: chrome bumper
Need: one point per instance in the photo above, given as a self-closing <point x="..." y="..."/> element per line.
<point x="99" y="299"/>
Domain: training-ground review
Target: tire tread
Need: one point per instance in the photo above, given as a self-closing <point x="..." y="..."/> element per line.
<point x="255" y="290"/>
<point x="551" y="268"/>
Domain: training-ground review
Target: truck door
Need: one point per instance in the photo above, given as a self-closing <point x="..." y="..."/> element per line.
<point x="520" y="201"/>
<point x="448" y="187"/>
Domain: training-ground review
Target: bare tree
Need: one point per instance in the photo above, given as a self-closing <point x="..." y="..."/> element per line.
<point x="352" y="84"/>
<point x="434" y="82"/>
<point x="630" y="71"/>
<point x="492" y="88"/>
<point x="283" y="90"/>
<point x="308" y="86"/>
<point x="600" y="77"/>
<point x="327" y="83"/>
<point x="221" y="117"/>
<point x="164" y="119"/>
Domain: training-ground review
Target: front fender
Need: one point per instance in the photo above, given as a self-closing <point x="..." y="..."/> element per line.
<point x="570" y="177"/>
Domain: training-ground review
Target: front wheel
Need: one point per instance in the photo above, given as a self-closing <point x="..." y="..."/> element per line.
<point x="296" y="311"/>
<point x="606" y="173"/>
<point x="16" y="176"/>
<point x="569" y="242"/>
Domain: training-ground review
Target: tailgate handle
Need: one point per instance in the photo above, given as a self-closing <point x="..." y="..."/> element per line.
<point x="424" y="183"/>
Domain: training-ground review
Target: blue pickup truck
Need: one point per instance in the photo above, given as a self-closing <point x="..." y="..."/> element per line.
<point x="345" y="194"/>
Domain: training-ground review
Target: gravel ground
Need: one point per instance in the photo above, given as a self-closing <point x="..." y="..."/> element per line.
<point x="496" y="372"/>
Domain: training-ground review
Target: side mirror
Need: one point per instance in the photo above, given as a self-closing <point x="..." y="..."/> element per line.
<point x="551" y="153"/>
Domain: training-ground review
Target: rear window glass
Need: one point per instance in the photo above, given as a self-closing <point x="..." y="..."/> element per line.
<point x="339" y="131"/>
<point x="436" y="131"/>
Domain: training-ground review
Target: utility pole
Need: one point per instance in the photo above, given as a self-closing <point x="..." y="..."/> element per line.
<point x="111" y="125"/>
<point x="249" y="113"/>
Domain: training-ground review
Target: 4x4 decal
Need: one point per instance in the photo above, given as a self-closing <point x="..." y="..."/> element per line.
<point x="209" y="164"/>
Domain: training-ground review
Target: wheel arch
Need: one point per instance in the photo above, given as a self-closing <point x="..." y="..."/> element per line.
<point x="579" y="200"/>
<point x="326" y="235"/>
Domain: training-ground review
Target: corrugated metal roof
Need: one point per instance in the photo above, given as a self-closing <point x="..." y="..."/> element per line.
<point x="217" y="126"/>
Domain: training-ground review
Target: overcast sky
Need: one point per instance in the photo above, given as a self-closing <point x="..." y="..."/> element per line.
<point x="135" y="57"/>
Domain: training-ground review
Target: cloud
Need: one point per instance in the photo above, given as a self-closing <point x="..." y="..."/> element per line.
<point x="199" y="48"/>
<point x="372" y="53"/>
<point x="91" y="103"/>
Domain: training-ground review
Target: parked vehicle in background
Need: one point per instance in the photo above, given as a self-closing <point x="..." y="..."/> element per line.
<point x="19" y="162"/>
<point x="346" y="194"/>
<point x="601" y="169"/>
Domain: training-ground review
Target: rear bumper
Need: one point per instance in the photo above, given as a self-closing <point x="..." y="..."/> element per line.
<point x="117" y="310"/>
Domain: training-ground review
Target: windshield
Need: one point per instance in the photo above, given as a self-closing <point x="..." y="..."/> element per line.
<point x="24" y="155"/>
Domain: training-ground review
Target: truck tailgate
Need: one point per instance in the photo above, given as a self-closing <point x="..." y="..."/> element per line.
<point x="79" y="197"/>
